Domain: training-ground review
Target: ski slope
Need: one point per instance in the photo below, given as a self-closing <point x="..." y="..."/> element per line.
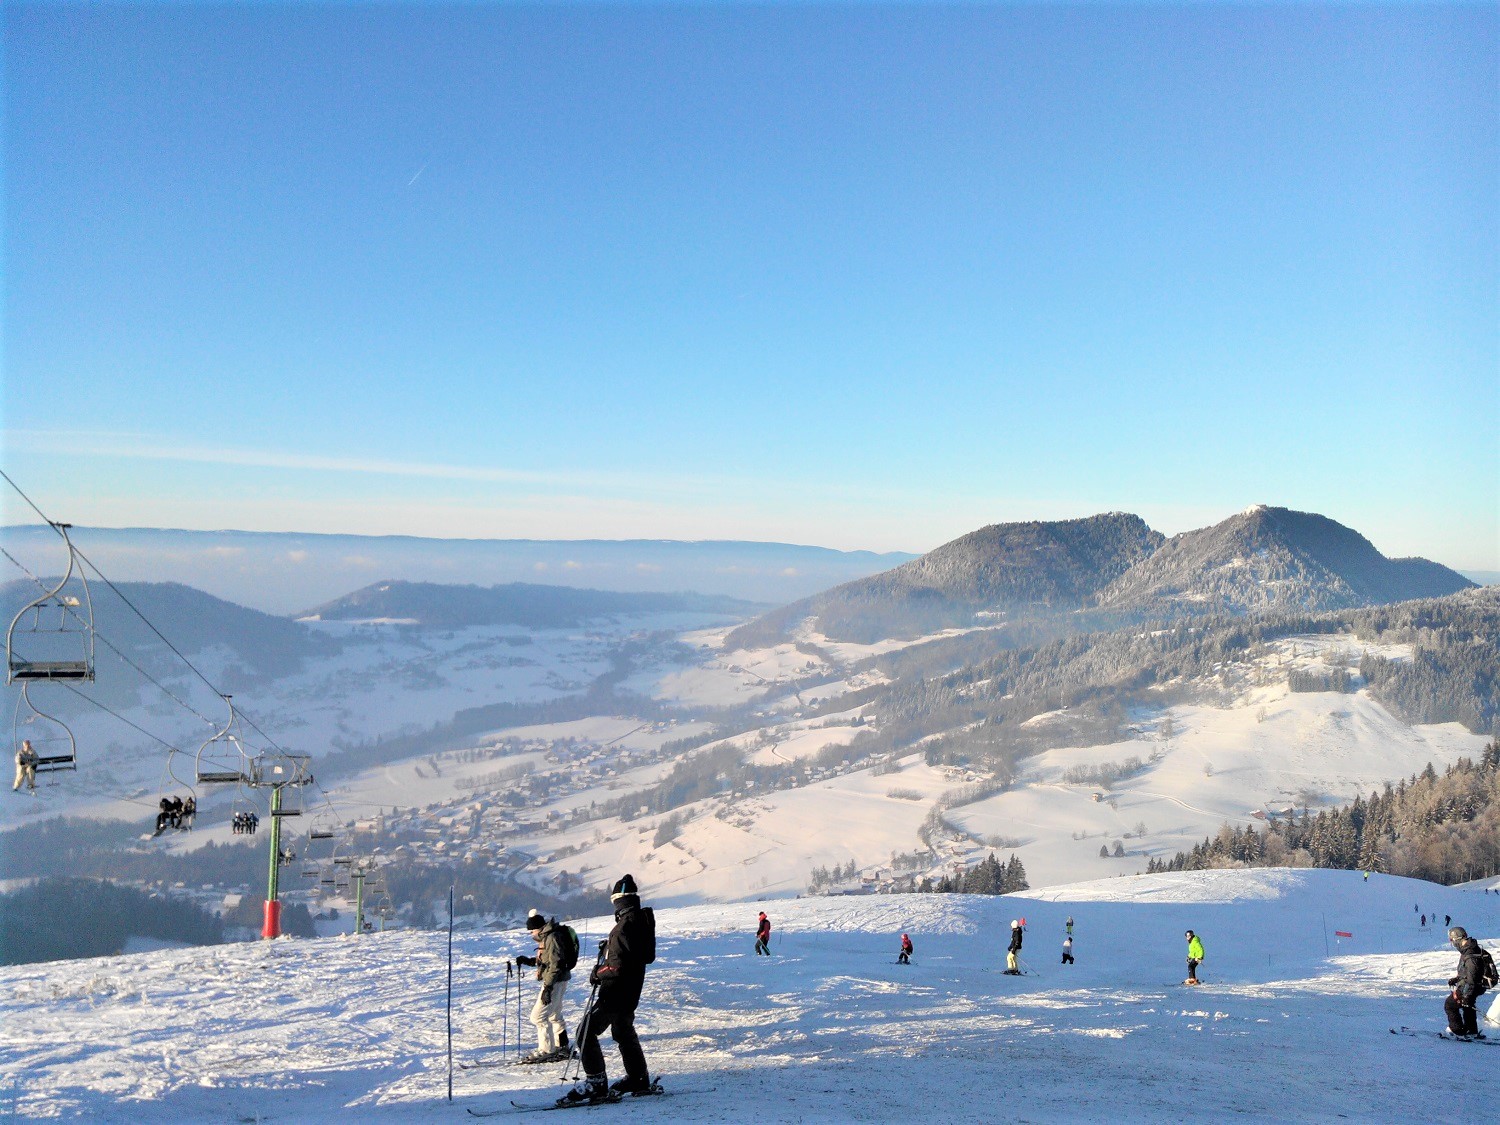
<point x="827" y="1029"/>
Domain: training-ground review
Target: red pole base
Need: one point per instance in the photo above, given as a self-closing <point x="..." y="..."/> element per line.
<point x="272" y="928"/>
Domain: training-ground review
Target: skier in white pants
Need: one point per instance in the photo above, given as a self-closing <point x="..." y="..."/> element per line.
<point x="552" y="963"/>
<point x="25" y="766"/>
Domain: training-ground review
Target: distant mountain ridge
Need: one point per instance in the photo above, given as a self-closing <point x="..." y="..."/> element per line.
<point x="285" y="572"/>
<point x="1003" y="568"/>
<point x="517" y="603"/>
<point x="1268" y="559"/>
<point x="1261" y="560"/>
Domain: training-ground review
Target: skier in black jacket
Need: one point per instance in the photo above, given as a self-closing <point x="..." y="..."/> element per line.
<point x="1468" y="985"/>
<point x="620" y="976"/>
<point x="1013" y="952"/>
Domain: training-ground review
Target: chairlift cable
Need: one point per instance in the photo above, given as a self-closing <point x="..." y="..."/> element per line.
<point x="111" y="645"/>
<point x="123" y="719"/>
<point x="146" y="620"/>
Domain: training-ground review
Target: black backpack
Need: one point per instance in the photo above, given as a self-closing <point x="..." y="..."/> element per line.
<point x="1488" y="977"/>
<point x="648" y="927"/>
<point x="569" y="948"/>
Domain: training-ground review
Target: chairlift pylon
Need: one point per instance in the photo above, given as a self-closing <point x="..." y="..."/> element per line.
<point x="49" y="737"/>
<point x="36" y="650"/>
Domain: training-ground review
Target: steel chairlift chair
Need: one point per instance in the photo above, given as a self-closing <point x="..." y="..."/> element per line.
<point x="247" y="807"/>
<point x="222" y="759"/>
<point x="190" y="802"/>
<point x="324" y="826"/>
<point x="288" y="773"/>
<point x="52" y="637"/>
<point x="50" y="739"/>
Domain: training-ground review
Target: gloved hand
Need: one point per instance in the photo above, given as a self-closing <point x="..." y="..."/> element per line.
<point x="524" y="960"/>
<point x="1452" y="981"/>
<point x="547" y="994"/>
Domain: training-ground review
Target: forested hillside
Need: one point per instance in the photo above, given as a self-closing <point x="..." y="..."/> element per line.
<point x="1445" y="829"/>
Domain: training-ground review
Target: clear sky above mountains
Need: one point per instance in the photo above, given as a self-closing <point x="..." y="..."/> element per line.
<point x="847" y="275"/>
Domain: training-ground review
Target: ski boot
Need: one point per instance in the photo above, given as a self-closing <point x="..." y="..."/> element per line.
<point x="636" y="1086"/>
<point x="593" y="1090"/>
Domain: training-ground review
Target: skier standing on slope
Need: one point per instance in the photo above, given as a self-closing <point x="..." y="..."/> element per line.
<point x="1474" y="976"/>
<point x="1068" y="950"/>
<point x="620" y="977"/>
<point x="906" y="951"/>
<point x="1013" y="952"/>
<point x="763" y="935"/>
<point x="555" y="955"/>
<point x="1194" y="958"/>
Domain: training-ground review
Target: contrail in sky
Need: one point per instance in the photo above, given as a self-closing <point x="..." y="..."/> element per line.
<point x="418" y="175"/>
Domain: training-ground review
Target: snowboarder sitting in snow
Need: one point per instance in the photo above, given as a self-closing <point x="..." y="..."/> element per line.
<point x="906" y="951"/>
<point x="763" y="935"/>
<point x="619" y="975"/>
<point x="1013" y="952"/>
<point x="1475" y="976"/>
<point x="1194" y="958"/>
<point x="553" y="946"/>
<point x="1068" y="950"/>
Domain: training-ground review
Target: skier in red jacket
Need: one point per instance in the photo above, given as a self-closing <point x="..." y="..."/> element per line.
<point x="763" y="935"/>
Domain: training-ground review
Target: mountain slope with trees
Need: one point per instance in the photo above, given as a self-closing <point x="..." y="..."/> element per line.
<point x="1273" y="559"/>
<point x="1034" y="568"/>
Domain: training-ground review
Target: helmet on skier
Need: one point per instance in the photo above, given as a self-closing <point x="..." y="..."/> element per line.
<point x="1457" y="934"/>
<point x="1188" y="934"/>
<point x="1015" y="925"/>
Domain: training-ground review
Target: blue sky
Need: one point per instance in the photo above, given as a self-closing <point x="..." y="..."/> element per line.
<point x="859" y="276"/>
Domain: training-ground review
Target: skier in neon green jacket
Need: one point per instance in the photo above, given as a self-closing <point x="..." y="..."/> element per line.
<point x="1195" y="957"/>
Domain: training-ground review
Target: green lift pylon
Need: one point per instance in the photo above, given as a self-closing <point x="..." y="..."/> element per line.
<point x="272" y="927"/>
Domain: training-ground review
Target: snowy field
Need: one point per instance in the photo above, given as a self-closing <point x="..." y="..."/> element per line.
<point x="1290" y="1026"/>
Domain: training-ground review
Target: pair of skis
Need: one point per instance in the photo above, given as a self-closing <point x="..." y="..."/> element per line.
<point x="611" y="1098"/>
<point x="1448" y="1035"/>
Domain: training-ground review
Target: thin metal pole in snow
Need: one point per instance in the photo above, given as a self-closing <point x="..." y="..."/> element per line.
<point x="450" y="992"/>
<point x="1325" y="935"/>
<point x="505" y="1012"/>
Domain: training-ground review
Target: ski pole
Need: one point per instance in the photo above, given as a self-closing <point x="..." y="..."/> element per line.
<point x="588" y="1015"/>
<point x="505" y="1011"/>
<point x="519" y="1009"/>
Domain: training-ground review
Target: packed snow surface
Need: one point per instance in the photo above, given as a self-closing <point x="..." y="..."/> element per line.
<point x="1292" y="1024"/>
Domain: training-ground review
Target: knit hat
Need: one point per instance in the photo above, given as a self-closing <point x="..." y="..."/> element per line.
<point x="1457" y="933"/>
<point x="534" y="920"/>
<point x="625" y="886"/>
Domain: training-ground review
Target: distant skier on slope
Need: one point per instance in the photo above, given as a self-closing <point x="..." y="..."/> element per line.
<point x="555" y="955"/>
<point x="1194" y="957"/>
<point x="620" y="976"/>
<point x="1068" y="950"/>
<point x="1013" y="951"/>
<point x="1475" y="976"/>
<point x="906" y="951"/>
<point x="763" y="935"/>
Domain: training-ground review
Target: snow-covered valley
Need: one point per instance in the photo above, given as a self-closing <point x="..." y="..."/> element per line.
<point x="1292" y="1024"/>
